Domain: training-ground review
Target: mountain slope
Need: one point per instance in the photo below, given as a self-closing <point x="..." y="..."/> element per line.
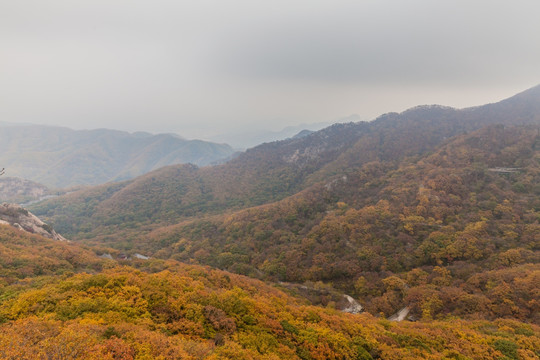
<point x="273" y="171"/>
<point x="25" y="256"/>
<point x="395" y="212"/>
<point x="433" y="213"/>
<point x="467" y="209"/>
<point x="60" y="157"/>
<point x="58" y="300"/>
<point x="263" y="174"/>
<point x="190" y="312"/>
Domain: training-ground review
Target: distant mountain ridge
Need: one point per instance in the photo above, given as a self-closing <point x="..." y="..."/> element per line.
<point x="248" y="139"/>
<point x="276" y="170"/>
<point x="61" y="157"/>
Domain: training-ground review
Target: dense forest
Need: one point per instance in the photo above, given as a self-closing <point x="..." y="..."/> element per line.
<point x="440" y="227"/>
<point x="433" y="213"/>
<point x="84" y="307"/>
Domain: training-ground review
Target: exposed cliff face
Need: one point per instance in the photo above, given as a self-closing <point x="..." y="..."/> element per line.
<point x="19" y="217"/>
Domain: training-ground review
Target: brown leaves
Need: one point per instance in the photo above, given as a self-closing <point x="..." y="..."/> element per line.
<point x="219" y="320"/>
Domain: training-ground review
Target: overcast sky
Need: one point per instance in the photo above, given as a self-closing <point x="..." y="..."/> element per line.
<point x="202" y="67"/>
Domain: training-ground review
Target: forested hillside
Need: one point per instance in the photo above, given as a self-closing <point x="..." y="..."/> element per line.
<point x="25" y="256"/>
<point x="443" y="225"/>
<point x="276" y="170"/>
<point x="167" y="310"/>
<point x="435" y="210"/>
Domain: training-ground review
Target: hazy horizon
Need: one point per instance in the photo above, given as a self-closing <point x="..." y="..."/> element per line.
<point x="200" y="69"/>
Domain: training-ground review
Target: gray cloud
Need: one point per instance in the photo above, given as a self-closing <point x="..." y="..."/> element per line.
<point x="201" y="67"/>
<point x="396" y="42"/>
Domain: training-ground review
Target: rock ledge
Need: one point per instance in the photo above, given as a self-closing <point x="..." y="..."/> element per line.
<point x="17" y="216"/>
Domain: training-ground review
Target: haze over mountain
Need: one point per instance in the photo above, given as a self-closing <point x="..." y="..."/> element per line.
<point x="279" y="169"/>
<point x="414" y="234"/>
<point x="61" y="157"/>
<point x="429" y="215"/>
<point x="430" y="191"/>
<point x="198" y="68"/>
<point x="243" y="140"/>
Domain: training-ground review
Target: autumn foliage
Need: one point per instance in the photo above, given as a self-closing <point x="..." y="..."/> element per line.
<point x="435" y="210"/>
<point x="190" y="312"/>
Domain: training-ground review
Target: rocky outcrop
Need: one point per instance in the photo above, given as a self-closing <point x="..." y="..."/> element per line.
<point x="17" y="216"/>
<point x="352" y="307"/>
<point x="400" y="315"/>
